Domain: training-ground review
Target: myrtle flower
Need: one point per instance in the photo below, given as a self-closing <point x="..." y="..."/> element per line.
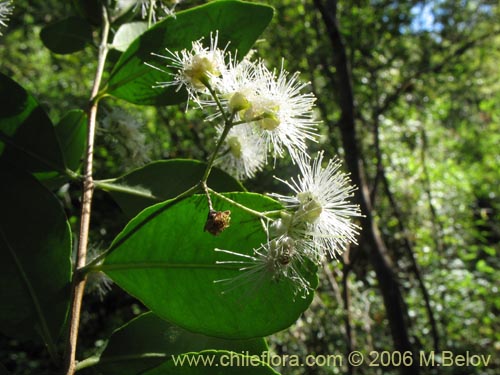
<point x="276" y="260"/>
<point x="243" y="152"/>
<point x="319" y="216"/>
<point x="6" y="9"/>
<point x="275" y="105"/>
<point x="195" y="68"/>
<point x="124" y="133"/>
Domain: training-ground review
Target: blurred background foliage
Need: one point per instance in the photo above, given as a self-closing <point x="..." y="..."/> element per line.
<point x="426" y="83"/>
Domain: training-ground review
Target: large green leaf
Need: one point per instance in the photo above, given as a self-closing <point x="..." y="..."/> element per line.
<point x="148" y="341"/>
<point x="237" y="22"/>
<point x="165" y="259"/>
<point x="72" y="134"/>
<point x="35" y="266"/>
<point x="213" y="362"/>
<point x="67" y="36"/>
<point x="27" y="136"/>
<point x="162" y="180"/>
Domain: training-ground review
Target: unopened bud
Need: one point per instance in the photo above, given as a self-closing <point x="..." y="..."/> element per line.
<point x="238" y="102"/>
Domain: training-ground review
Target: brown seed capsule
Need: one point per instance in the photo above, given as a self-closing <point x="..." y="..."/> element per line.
<point x="217" y="221"/>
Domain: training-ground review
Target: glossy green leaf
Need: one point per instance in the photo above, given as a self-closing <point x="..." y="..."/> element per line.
<point x="162" y="180"/>
<point x="165" y="259"/>
<point x="239" y="23"/>
<point x="72" y="134"/>
<point x="127" y="33"/>
<point x="67" y="36"/>
<point x="35" y="266"/>
<point x="213" y="362"/>
<point x="27" y="136"/>
<point x="148" y="341"/>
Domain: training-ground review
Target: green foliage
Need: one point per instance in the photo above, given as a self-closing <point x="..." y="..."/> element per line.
<point x="171" y="268"/>
<point x="126" y="34"/>
<point x="27" y="136"/>
<point x="71" y="132"/>
<point x="238" y="23"/>
<point x="147" y="341"/>
<point x="35" y="266"/>
<point x="67" y="36"/>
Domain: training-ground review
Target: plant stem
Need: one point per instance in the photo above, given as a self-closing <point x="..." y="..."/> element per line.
<point x="227" y="127"/>
<point x="78" y="282"/>
<point x="107" y="186"/>
<point x="151" y="11"/>
<point x="239" y="205"/>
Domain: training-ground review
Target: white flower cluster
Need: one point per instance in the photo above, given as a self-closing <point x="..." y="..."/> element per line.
<point x="316" y="223"/>
<point x="6" y="9"/>
<point x="266" y="111"/>
<point x="267" y="108"/>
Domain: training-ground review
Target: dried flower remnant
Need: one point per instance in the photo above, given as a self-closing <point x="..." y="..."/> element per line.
<point x="217" y="221"/>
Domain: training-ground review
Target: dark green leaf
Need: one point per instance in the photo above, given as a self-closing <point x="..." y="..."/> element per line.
<point x="165" y="259"/>
<point x="72" y="134"/>
<point x="27" y="136"/>
<point x="35" y="266"/>
<point x="211" y="362"/>
<point x="91" y="10"/>
<point x="162" y="180"/>
<point x="67" y="36"/>
<point x="147" y="341"/>
<point x="239" y="23"/>
<point x="127" y="33"/>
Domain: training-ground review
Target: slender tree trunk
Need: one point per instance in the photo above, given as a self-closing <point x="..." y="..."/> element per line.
<point x="388" y="284"/>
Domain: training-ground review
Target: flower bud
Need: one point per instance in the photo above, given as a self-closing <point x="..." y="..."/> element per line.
<point x="238" y="102"/>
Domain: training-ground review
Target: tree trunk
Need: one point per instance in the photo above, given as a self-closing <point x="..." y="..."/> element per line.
<point x="388" y="284"/>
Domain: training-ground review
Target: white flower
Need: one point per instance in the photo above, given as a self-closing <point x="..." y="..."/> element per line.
<point x="243" y="153"/>
<point x="320" y="216"/>
<point x="123" y="131"/>
<point x="6" y="9"/>
<point x="196" y="68"/>
<point x="282" y="114"/>
<point x="276" y="260"/>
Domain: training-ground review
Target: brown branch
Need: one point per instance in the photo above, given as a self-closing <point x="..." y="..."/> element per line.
<point x="389" y="286"/>
<point x="78" y="282"/>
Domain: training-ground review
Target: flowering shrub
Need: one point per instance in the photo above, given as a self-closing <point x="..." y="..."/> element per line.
<point x="201" y="253"/>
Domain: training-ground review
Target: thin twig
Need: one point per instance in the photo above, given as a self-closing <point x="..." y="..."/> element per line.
<point x="78" y="282"/>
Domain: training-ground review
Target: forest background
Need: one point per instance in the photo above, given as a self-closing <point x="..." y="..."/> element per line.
<point x="409" y="95"/>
